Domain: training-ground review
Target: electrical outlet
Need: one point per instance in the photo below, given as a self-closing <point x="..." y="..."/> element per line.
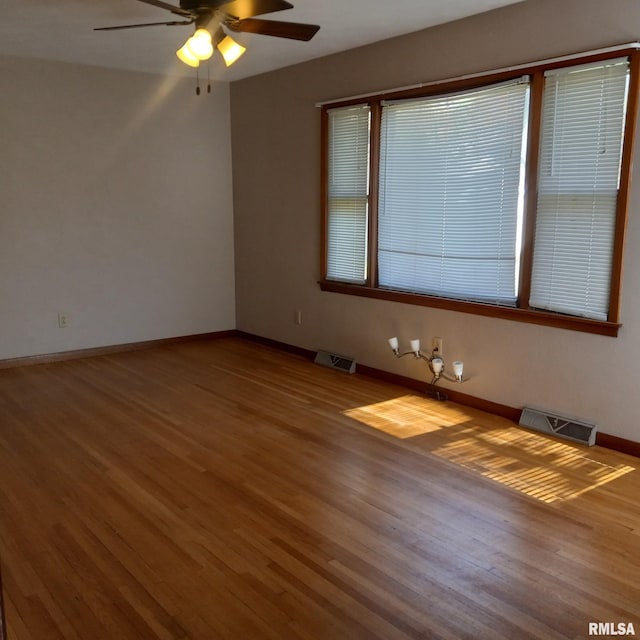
<point x="63" y="320"/>
<point x="298" y="317"/>
<point x="436" y="345"/>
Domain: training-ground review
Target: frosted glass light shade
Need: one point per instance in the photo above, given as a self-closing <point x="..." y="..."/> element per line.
<point x="458" y="367"/>
<point x="415" y="345"/>
<point x="230" y="50"/>
<point x="393" y="343"/>
<point x="187" y="56"/>
<point x="437" y="364"/>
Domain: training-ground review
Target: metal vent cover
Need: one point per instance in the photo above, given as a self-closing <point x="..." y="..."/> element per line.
<point x="561" y="426"/>
<point x="335" y="361"/>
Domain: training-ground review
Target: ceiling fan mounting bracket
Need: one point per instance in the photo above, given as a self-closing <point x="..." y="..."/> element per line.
<point x="205" y="17"/>
<point x="199" y="6"/>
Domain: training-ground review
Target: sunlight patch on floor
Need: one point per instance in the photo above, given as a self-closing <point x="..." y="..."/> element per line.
<point x="530" y="463"/>
<point x="539" y="466"/>
<point x="407" y="416"/>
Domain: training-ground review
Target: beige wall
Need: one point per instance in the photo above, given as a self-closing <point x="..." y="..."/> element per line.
<point x="276" y="153"/>
<point x="115" y="208"/>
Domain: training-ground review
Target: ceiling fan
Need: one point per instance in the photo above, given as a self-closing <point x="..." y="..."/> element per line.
<point x="209" y="18"/>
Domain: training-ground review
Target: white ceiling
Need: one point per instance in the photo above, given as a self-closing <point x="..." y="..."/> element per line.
<point x="62" y="30"/>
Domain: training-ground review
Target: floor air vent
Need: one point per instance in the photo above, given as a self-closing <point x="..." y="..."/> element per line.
<point x="334" y="361"/>
<point x="561" y="426"/>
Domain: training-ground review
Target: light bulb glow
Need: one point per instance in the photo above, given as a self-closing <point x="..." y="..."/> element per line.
<point x="458" y="368"/>
<point x="437" y="365"/>
<point x="202" y="34"/>
<point x="393" y="343"/>
<point x="200" y="44"/>
<point x="415" y="346"/>
<point x="198" y="47"/>
<point x="230" y="50"/>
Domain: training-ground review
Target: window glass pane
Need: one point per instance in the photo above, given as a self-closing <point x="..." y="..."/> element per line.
<point x="451" y="193"/>
<point x="581" y="145"/>
<point x="348" y="188"/>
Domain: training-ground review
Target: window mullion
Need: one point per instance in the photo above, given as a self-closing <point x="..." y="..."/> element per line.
<point x="623" y="191"/>
<point x="374" y="179"/>
<point x="531" y="187"/>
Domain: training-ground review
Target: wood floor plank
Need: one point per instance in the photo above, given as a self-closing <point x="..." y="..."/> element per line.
<point x="219" y="490"/>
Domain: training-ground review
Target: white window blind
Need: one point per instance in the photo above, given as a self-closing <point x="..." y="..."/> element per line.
<point x="348" y="191"/>
<point x="581" y="145"/>
<point x="451" y="193"/>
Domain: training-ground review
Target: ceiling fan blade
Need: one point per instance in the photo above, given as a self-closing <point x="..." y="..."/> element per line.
<point x="169" y="7"/>
<point x="291" y="30"/>
<point x="144" y="24"/>
<point x="248" y="8"/>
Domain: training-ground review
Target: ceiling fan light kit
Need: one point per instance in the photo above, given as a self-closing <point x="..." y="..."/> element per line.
<point x="197" y="48"/>
<point x="233" y="15"/>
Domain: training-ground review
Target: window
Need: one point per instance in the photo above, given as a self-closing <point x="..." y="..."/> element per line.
<point x="348" y="184"/>
<point x="581" y="147"/>
<point x="450" y="189"/>
<point x="503" y="198"/>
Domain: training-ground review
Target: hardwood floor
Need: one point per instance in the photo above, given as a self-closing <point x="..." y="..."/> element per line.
<point x="225" y="490"/>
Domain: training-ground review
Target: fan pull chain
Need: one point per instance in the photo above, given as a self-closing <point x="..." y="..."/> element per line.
<point x="208" y="80"/>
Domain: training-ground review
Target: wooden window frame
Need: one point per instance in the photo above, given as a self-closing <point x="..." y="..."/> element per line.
<point x="521" y="313"/>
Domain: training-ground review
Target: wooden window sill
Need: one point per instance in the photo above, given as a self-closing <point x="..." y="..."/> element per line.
<point x="530" y="316"/>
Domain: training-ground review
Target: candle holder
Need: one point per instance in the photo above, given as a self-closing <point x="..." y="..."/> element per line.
<point x="434" y="360"/>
